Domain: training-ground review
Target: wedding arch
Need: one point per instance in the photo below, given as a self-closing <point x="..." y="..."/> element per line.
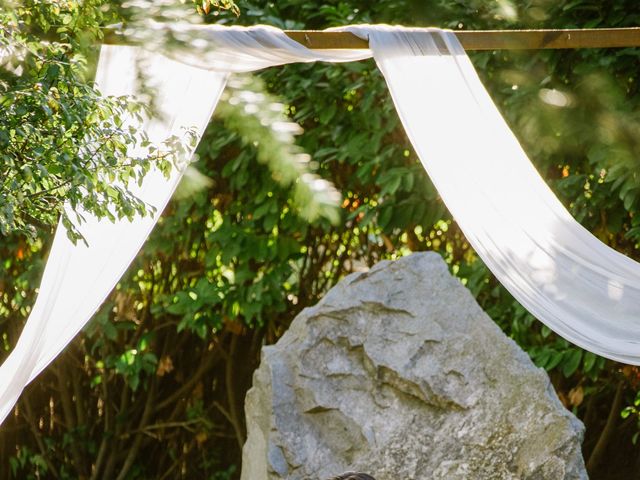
<point x="579" y="287"/>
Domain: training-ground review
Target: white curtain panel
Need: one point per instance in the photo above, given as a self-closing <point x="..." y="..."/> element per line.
<point x="579" y="287"/>
<point x="77" y="278"/>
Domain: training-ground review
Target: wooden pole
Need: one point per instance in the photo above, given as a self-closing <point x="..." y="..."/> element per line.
<point x="477" y="39"/>
<point x="493" y="39"/>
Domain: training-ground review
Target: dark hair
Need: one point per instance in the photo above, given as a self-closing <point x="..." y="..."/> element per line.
<point x="353" y="476"/>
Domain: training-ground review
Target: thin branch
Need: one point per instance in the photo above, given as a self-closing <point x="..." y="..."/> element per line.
<point x="37" y="435"/>
<point x="210" y="360"/>
<point x="146" y="416"/>
<point x="598" y="453"/>
<point x="231" y="394"/>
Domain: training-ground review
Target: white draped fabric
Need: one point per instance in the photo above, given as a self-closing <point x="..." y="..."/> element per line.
<point x="77" y="278"/>
<point x="579" y="287"/>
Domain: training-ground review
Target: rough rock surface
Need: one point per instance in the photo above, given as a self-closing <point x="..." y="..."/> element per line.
<point x="397" y="372"/>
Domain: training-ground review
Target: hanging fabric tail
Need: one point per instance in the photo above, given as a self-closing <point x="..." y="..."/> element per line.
<point x="77" y="278"/>
<point x="579" y="287"/>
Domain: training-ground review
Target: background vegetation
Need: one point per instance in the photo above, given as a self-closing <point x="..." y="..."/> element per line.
<point x="154" y="386"/>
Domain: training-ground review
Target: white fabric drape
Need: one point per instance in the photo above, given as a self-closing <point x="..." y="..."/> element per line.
<point x="77" y="278"/>
<point x="579" y="287"/>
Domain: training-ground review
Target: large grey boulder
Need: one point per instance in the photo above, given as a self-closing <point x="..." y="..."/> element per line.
<point x="397" y="372"/>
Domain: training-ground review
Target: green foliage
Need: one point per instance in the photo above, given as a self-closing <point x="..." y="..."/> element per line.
<point x="60" y="140"/>
<point x="27" y="460"/>
<point x="631" y="412"/>
<point x="162" y="370"/>
<point x="260" y="122"/>
<point x="215" y="6"/>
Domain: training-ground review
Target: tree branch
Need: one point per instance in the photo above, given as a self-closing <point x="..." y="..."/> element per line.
<point x="597" y="455"/>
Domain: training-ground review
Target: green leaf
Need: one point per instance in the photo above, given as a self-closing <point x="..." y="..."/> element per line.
<point x="556" y="358"/>
<point x="589" y="361"/>
<point x="571" y="362"/>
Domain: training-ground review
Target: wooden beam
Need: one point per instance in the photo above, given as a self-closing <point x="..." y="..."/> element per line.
<point x="319" y="40"/>
<point x="493" y="39"/>
<point x="550" y="39"/>
<point x="476" y="39"/>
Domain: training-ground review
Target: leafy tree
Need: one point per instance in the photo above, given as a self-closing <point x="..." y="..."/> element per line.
<point x="60" y="140"/>
<point x="162" y="370"/>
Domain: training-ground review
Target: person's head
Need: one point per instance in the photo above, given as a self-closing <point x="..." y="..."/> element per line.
<point x="353" y="476"/>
